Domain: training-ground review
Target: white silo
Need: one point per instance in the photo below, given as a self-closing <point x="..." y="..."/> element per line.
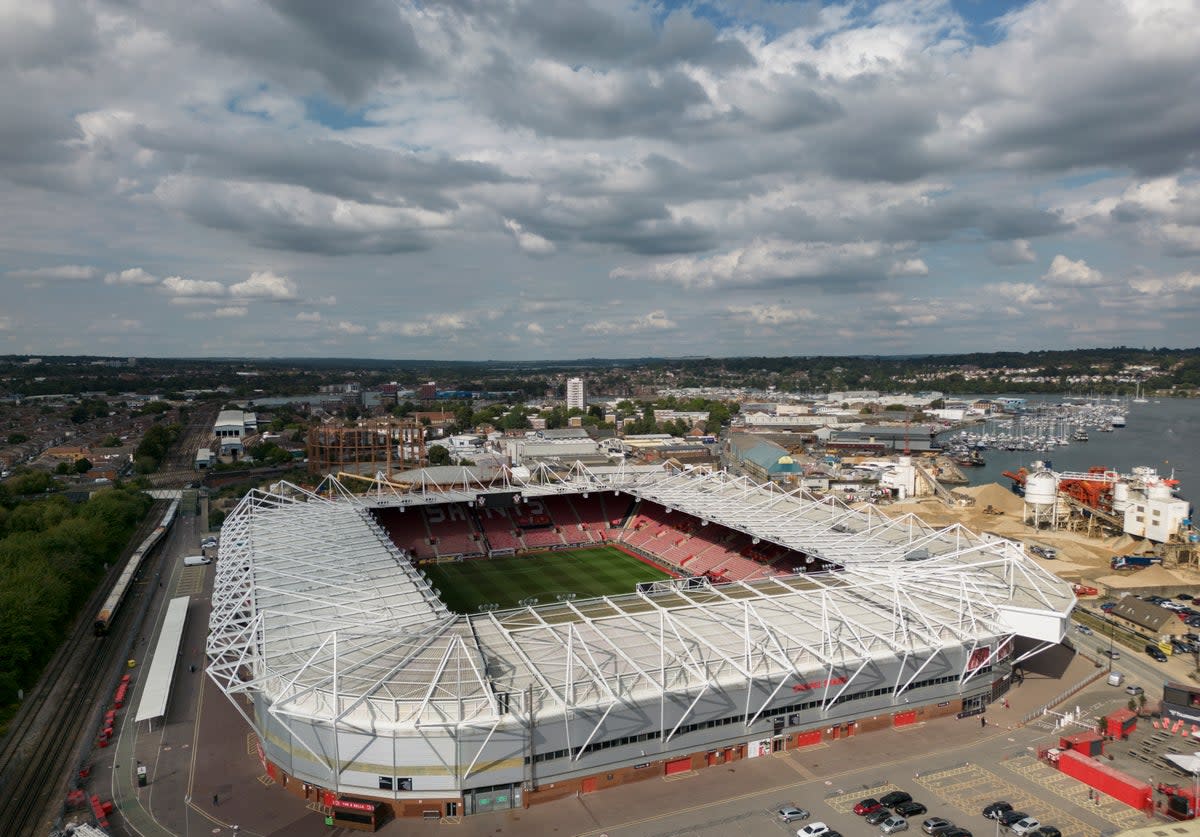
<point x="1120" y="500"/>
<point x="1158" y="491"/>
<point x="1041" y="498"/>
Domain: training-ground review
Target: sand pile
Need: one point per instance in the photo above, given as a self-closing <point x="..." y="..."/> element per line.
<point x="995" y="496"/>
<point x="1150" y="577"/>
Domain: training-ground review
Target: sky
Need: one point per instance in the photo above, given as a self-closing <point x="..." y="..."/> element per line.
<point x="540" y="179"/>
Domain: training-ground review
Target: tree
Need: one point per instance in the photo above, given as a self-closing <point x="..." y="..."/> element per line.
<point x="111" y="441"/>
<point x="17" y="438"/>
<point x="82" y="466"/>
<point x="438" y="455"/>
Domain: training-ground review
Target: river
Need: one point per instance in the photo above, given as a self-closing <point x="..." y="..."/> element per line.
<point x="1163" y="434"/>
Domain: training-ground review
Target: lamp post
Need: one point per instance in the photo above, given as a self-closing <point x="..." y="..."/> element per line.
<point x="1111" y="630"/>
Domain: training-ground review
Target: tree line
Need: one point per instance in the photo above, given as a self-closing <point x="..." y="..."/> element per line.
<point x="52" y="554"/>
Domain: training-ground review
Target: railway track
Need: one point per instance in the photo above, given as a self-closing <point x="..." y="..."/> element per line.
<point x="179" y="467"/>
<point x="43" y="747"/>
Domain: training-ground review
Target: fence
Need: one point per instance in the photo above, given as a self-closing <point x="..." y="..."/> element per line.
<point x="1082" y="684"/>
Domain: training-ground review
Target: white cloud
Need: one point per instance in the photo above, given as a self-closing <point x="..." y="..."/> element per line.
<point x="1020" y="293"/>
<point x="535" y="328"/>
<point x="529" y="242"/>
<point x="653" y="321"/>
<point x="229" y="311"/>
<point x="265" y="285"/>
<point x="432" y="325"/>
<point x="908" y="267"/>
<point x="1017" y="251"/>
<point x="309" y="317"/>
<point x="771" y="315"/>
<point x="132" y="276"/>
<point x="179" y="287"/>
<point x="1157" y="286"/>
<point x="61" y="273"/>
<point x="1074" y="274"/>
<point x="346" y="327"/>
<point x="769" y="261"/>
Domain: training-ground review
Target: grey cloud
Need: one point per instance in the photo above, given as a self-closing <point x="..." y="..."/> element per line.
<point x="278" y="227"/>
<point x="349" y="47"/>
<point x="356" y="172"/>
<point x="638" y="224"/>
<point x="578" y="33"/>
<point x="634" y="103"/>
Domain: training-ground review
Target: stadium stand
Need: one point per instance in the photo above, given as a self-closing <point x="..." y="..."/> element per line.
<point x="499" y="529"/>
<point x="407" y="530"/>
<point x="674" y="537"/>
<point x="453" y="531"/>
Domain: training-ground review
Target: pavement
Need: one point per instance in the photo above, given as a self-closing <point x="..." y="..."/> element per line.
<point x="205" y="776"/>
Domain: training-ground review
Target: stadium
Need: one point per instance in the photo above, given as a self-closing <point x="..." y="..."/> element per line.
<point x="433" y="650"/>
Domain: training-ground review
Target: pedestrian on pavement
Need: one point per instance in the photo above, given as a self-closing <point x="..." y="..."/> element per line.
<point x="215" y="801"/>
<point x="982" y="721"/>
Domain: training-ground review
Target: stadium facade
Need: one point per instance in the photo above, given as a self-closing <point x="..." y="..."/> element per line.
<point x="362" y="686"/>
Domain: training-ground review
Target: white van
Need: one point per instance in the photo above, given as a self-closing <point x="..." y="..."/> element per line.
<point x="196" y="560"/>
<point x="1116" y="678"/>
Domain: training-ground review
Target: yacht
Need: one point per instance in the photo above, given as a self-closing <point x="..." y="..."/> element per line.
<point x="1117" y="420"/>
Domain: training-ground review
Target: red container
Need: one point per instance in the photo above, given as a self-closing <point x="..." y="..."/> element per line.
<point x="1088" y="743"/>
<point x="1120" y="724"/>
<point x="1103" y="778"/>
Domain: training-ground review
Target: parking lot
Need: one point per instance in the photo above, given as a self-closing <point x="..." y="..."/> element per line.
<point x="954" y="767"/>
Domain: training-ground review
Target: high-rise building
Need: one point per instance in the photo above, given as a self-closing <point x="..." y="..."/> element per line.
<point x="576" y="394"/>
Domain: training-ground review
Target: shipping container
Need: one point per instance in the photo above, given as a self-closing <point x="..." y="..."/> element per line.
<point x="1118" y="785"/>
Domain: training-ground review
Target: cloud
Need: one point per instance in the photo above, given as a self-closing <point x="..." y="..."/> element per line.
<point x="223" y="313"/>
<point x="346" y="327"/>
<point x="1017" y="251"/>
<point x="773" y="261"/>
<point x="908" y="267"/>
<point x="529" y="243"/>
<point x="61" y="273"/>
<point x="1075" y="274"/>
<point x="132" y="276"/>
<point x="770" y="315"/>
<point x="265" y="285"/>
<point x="179" y="287"/>
<point x="653" y="321"/>
<point x="431" y="325"/>
<point x="535" y="328"/>
<point x="309" y="317"/>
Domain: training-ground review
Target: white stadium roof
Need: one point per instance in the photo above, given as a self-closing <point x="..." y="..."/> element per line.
<point x="316" y="608"/>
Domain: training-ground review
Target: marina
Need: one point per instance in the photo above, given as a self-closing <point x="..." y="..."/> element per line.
<point x="1163" y="434"/>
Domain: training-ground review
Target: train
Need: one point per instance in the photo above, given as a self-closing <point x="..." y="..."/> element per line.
<point x="117" y="595"/>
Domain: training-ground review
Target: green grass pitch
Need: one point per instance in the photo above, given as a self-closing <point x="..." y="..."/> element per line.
<point x="505" y="582"/>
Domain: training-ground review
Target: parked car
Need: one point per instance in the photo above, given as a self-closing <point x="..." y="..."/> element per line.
<point x="1109" y="652"/>
<point x="1107" y="606"/>
<point x="814" y="829"/>
<point x="876" y="817"/>
<point x="867" y="806"/>
<point x="956" y="831"/>
<point x="996" y="809"/>
<point x="1155" y="652"/>
<point x="1009" y="817"/>
<point x="1186" y="597"/>
<point x="936" y="825"/>
<point x="1084" y="629"/>
<point x="893" y="824"/>
<point x="1134" y="690"/>
<point x="1047" y="831"/>
<point x="910" y="809"/>
<point x="790" y="813"/>
<point x="891" y="800"/>
<point x="1025" y="826"/>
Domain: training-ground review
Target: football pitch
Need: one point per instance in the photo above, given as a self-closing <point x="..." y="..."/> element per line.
<point x="547" y="576"/>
